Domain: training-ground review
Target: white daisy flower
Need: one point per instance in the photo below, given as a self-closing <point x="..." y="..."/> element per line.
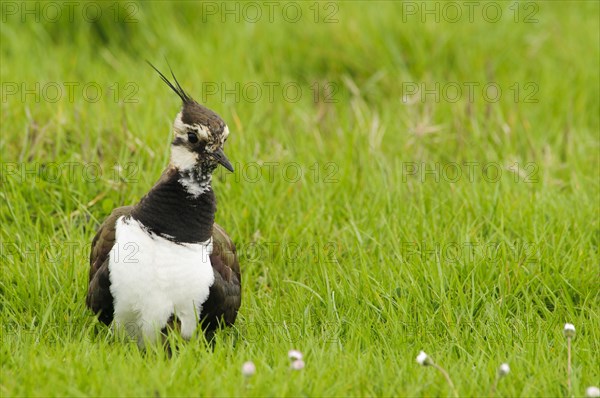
<point x="248" y="369"/>
<point x="294" y="355"/>
<point x="569" y="330"/>
<point x="298" y="364"/>
<point x="503" y="370"/>
<point x="423" y="359"/>
<point x="592" y="392"/>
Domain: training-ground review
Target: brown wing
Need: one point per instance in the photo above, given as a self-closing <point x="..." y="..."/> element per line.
<point x="99" y="298"/>
<point x="225" y="295"/>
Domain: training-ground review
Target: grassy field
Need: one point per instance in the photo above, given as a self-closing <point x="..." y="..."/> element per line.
<point x="405" y="180"/>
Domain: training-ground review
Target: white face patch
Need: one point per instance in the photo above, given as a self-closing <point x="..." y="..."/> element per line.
<point x="180" y="129"/>
<point x="153" y="278"/>
<point x="225" y="133"/>
<point x="183" y="158"/>
<point x="178" y="125"/>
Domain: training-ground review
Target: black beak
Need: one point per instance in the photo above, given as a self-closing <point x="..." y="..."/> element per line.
<point x="222" y="159"/>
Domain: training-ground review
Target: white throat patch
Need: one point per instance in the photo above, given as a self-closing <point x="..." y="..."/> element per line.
<point x="195" y="187"/>
<point x="183" y="158"/>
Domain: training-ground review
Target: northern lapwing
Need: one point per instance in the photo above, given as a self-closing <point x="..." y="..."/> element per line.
<point x="164" y="263"/>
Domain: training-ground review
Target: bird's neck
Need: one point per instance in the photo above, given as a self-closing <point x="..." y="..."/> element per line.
<point x="180" y="207"/>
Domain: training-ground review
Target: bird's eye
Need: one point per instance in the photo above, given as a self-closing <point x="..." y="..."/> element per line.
<point x="192" y="137"/>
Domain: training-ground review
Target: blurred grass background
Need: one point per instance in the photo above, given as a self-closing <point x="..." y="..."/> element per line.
<point x="362" y="294"/>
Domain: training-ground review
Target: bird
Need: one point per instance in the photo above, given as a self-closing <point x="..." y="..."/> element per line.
<point x="163" y="264"/>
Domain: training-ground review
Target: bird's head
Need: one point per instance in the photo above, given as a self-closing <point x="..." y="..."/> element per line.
<point x="198" y="135"/>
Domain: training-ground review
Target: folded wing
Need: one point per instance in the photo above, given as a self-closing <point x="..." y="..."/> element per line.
<point x="99" y="299"/>
<point x="225" y="295"/>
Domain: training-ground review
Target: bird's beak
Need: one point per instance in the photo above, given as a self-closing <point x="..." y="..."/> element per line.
<point x="219" y="155"/>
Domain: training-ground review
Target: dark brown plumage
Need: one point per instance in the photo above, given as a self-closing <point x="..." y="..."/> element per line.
<point x="178" y="210"/>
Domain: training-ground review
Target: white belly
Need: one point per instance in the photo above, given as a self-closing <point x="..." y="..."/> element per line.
<point x="153" y="278"/>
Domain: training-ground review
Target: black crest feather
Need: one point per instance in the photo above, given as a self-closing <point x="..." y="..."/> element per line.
<point x="177" y="87"/>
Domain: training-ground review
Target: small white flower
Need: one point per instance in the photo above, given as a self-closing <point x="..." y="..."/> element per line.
<point x="503" y="370"/>
<point x="423" y="359"/>
<point x="248" y="369"/>
<point x="569" y="330"/>
<point x="294" y="355"/>
<point x="592" y="392"/>
<point x="298" y="364"/>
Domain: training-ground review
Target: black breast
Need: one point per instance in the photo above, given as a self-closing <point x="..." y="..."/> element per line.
<point x="169" y="210"/>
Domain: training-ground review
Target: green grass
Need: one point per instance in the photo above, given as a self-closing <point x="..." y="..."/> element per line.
<point x="357" y="263"/>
